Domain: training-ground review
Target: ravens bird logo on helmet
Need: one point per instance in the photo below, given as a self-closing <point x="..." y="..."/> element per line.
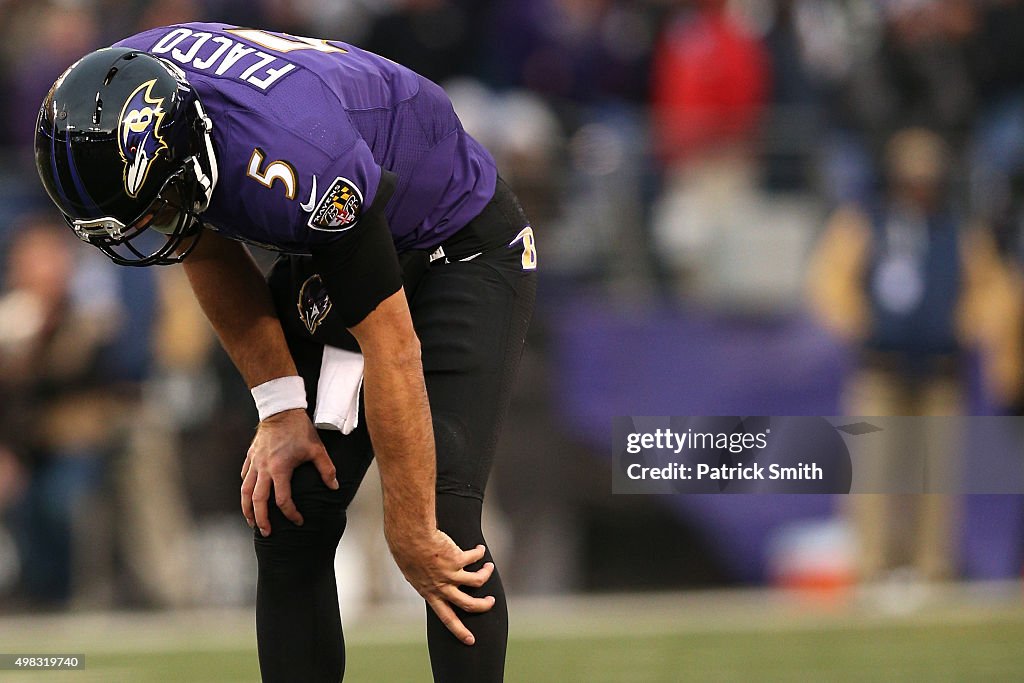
<point x="138" y="135"/>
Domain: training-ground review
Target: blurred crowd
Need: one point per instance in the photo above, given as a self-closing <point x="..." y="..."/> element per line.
<point x="859" y="159"/>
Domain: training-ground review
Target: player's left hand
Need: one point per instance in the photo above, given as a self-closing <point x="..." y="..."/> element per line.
<point x="435" y="567"/>
<point x="282" y="442"/>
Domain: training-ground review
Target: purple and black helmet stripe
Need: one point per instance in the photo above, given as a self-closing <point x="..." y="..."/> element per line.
<point x="58" y="185"/>
<point x="83" y="194"/>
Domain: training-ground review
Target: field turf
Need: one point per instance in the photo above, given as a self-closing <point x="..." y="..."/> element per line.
<point x="760" y="636"/>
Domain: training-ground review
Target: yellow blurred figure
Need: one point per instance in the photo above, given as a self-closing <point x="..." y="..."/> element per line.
<point x="915" y="287"/>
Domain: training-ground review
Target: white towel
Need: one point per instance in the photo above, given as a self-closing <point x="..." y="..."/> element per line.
<point x="337" y="392"/>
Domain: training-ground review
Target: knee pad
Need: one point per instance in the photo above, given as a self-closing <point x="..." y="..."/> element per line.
<point x="459" y="517"/>
<point x="456" y="466"/>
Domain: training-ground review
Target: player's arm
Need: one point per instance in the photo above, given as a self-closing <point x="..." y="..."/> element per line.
<point x="363" y="278"/>
<point x="235" y="299"/>
<point x="398" y="417"/>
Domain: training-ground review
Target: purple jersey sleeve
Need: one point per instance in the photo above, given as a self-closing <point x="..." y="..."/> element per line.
<point x="304" y="129"/>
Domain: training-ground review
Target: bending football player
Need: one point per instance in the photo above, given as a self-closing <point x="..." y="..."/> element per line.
<point x="391" y="325"/>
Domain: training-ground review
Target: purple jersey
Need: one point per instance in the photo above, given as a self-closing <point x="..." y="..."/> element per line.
<point x="303" y="129"/>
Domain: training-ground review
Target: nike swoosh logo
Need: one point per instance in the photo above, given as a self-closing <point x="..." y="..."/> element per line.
<point x="308" y="206"/>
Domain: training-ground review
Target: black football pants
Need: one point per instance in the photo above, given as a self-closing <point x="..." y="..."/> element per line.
<point x="471" y="317"/>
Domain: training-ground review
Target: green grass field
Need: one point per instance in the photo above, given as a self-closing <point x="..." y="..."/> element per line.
<point x="711" y="637"/>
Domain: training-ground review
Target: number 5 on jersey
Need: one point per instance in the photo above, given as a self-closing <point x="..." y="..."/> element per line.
<point x="275" y="170"/>
<point x="529" y="248"/>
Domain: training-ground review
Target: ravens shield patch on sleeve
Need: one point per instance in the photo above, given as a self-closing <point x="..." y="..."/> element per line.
<point x="339" y="208"/>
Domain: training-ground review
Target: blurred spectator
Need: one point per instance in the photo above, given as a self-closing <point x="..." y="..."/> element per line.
<point x="906" y="282"/>
<point x="997" y="155"/>
<point x="919" y="75"/>
<point x="710" y="78"/>
<point x="882" y="66"/>
<point x="710" y="81"/>
<point x="59" y="408"/>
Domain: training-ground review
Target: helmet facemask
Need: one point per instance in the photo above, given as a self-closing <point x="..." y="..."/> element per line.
<point x="155" y="238"/>
<point x="170" y="227"/>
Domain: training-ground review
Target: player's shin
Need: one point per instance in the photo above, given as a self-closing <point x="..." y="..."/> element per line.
<point x="450" y="660"/>
<point x="298" y="624"/>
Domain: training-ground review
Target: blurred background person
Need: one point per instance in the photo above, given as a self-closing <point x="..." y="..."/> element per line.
<point x="916" y="288"/>
<point x="60" y="404"/>
<point x="996" y="157"/>
<point x="88" y="433"/>
<point x="710" y="80"/>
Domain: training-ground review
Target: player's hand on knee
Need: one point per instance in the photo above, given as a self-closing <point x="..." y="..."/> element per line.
<point x="436" y="568"/>
<point x="282" y="442"/>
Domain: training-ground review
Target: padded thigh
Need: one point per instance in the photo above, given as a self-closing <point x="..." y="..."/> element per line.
<point x="471" y="318"/>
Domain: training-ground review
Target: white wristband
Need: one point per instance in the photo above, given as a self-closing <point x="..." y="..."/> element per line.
<point x="279" y="395"/>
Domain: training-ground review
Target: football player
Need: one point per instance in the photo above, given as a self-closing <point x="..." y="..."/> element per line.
<point x="406" y="278"/>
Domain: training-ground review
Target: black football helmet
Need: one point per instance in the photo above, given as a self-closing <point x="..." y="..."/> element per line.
<point x="123" y="149"/>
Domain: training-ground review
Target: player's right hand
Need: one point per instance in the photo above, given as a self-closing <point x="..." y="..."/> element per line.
<point x="282" y="442"/>
<point x="436" y="567"/>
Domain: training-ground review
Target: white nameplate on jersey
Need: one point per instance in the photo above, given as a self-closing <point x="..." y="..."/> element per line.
<point x="339" y="208"/>
<point x="223" y="57"/>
